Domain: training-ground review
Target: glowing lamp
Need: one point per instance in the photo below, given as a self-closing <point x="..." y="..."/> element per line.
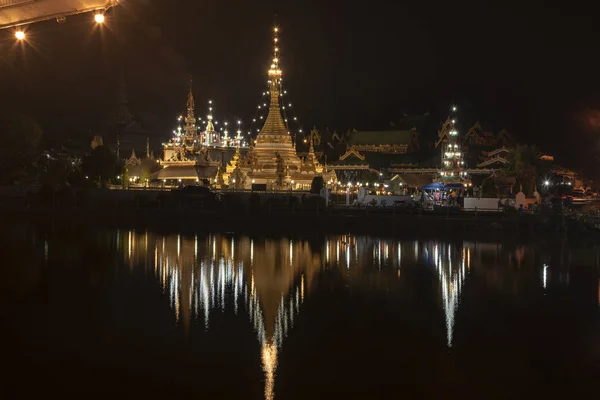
<point x="20" y="35"/>
<point x="99" y="18"/>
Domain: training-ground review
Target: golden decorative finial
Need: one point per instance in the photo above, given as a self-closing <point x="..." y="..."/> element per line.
<point x="275" y="71"/>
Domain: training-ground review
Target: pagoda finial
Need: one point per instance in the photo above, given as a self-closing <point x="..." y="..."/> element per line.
<point x="209" y="118"/>
<point x="190" y="119"/>
<point x="275" y="71"/>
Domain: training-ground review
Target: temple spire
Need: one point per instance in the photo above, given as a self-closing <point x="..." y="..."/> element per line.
<point x="275" y="71"/>
<point x="190" y="119"/>
<point x="274" y="127"/>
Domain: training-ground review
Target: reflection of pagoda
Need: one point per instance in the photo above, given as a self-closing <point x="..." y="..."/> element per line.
<point x="272" y="278"/>
<point x="185" y="159"/>
<point x="200" y="274"/>
<point x="452" y="268"/>
<point x="273" y="159"/>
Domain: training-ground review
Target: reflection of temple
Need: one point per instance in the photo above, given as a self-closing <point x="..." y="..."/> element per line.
<point x="451" y="264"/>
<point x="452" y="268"/>
<point x="272" y="278"/>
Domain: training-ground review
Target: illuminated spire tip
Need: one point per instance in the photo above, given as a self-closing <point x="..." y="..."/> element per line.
<point x="275" y="71"/>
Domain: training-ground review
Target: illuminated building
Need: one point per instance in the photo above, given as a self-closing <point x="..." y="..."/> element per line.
<point x="452" y="168"/>
<point x="185" y="159"/>
<point x="273" y="160"/>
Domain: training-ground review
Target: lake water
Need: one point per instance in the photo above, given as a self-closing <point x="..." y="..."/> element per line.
<point x="123" y="313"/>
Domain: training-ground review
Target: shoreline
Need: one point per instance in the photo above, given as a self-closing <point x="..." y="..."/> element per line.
<point x="358" y="221"/>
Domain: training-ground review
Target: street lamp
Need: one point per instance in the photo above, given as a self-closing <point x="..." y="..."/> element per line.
<point x="99" y="18"/>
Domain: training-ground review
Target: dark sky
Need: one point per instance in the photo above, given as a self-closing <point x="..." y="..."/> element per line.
<point x="530" y="67"/>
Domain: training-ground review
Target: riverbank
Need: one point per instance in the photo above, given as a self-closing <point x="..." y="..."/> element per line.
<point x="279" y="214"/>
<point x="402" y="224"/>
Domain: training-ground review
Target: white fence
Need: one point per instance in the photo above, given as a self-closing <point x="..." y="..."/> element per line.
<point x="486" y="203"/>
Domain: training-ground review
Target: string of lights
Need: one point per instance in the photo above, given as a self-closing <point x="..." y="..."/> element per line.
<point x="210" y="132"/>
<point x="259" y="117"/>
<point x="220" y="136"/>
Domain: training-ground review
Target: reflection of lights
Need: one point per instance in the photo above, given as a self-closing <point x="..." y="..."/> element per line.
<point x="269" y="362"/>
<point x="210" y="277"/>
<point x="451" y="282"/>
<point x="545" y="276"/>
<point x="46" y="253"/>
<point x="348" y="257"/>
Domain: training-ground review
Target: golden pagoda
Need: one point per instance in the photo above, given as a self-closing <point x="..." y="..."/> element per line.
<point x="273" y="159"/>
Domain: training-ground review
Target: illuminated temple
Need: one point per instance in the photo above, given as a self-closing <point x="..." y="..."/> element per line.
<point x="193" y="156"/>
<point x="185" y="158"/>
<point x="273" y="160"/>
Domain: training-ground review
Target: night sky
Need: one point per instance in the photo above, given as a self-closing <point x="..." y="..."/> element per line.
<point x="529" y="68"/>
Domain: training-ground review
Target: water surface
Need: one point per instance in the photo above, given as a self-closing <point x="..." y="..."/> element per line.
<point x="226" y="316"/>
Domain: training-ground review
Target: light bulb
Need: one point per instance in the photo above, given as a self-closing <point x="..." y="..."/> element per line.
<point x="99" y="18"/>
<point x="20" y="35"/>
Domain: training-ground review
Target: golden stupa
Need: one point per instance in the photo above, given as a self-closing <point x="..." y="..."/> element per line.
<point x="273" y="159"/>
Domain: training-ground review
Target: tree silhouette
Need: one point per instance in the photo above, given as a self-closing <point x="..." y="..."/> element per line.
<point x="101" y="165"/>
<point x="21" y="139"/>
